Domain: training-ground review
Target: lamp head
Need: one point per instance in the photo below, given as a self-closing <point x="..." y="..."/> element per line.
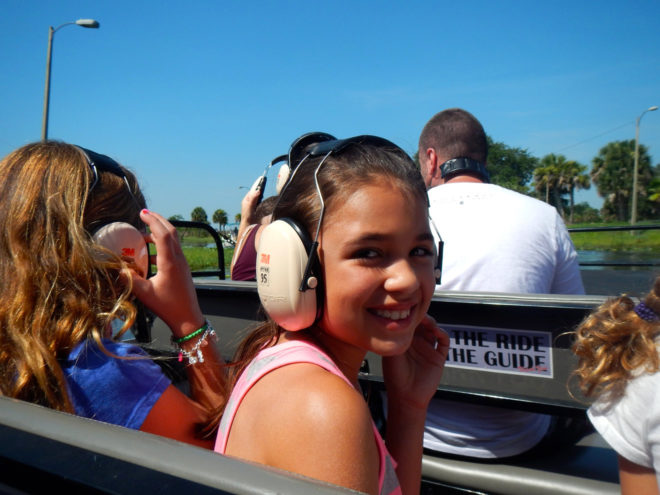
<point x="88" y="23"/>
<point x="653" y="108"/>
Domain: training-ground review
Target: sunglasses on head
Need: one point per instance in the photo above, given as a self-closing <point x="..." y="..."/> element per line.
<point x="104" y="163"/>
<point x="316" y="144"/>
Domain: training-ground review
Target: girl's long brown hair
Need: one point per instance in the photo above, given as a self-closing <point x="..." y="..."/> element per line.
<point x="340" y="175"/>
<point x="57" y="288"/>
<point x="613" y="343"/>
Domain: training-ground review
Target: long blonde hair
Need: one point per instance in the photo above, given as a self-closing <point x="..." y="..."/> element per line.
<point x="614" y="342"/>
<point x="57" y="288"/>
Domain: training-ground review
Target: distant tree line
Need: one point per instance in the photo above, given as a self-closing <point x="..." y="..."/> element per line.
<point x="199" y="215"/>
<point x="554" y="179"/>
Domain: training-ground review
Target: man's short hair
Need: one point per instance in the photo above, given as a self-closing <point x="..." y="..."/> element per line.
<point x="455" y="133"/>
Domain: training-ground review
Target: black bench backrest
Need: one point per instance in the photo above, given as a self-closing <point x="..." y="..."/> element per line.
<point x="508" y="350"/>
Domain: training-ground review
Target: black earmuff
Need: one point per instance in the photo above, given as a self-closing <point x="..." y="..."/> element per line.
<point x="460" y="165"/>
<point x="287" y="282"/>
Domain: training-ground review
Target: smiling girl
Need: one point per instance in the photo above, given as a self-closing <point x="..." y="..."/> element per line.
<point x="363" y="284"/>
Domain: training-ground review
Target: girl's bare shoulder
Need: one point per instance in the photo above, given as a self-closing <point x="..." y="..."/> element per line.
<point x="309" y="392"/>
<point x="312" y="422"/>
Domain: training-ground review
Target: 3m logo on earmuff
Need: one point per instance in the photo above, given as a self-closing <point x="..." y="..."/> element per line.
<point x="264" y="269"/>
<point x="126" y="241"/>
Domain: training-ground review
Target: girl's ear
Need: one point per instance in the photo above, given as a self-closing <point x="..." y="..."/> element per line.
<point x="286" y="281"/>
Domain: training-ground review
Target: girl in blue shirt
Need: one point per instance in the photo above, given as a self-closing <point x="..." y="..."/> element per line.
<point x="63" y="283"/>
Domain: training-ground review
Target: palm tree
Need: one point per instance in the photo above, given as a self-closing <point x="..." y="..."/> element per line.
<point x="557" y="178"/>
<point x="220" y="217"/>
<point x="198" y="215"/>
<point x="542" y="181"/>
<point x="612" y="174"/>
<point x="576" y="178"/>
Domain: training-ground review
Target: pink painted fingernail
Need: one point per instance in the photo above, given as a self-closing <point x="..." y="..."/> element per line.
<point x="145" y="211"/>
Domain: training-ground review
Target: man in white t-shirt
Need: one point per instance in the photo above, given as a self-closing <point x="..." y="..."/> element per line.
<point x="496" y="240"/>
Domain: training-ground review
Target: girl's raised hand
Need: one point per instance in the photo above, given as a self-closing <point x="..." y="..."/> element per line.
<point x="412" y="378"/>
<point x="170" y="294"/>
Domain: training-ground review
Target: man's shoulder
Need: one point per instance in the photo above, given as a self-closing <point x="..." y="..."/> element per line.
<point x="486" y="192"/>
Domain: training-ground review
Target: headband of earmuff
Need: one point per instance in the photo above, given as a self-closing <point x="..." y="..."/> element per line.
<point x="297" y="152"/>
<point x="456" y="166"/>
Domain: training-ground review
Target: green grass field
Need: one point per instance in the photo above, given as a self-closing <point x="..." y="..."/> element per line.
<point x="195" y="244"/>
<point x="645" y="240"/>
<point x="204" y="258"/>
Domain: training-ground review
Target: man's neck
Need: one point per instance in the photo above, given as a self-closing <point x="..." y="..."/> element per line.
<point x="463" y="178"/>
<point x="456" y="180"/>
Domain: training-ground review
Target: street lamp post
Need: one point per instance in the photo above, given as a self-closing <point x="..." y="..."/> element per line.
<point x="86" y="23"/>
<point x="633" y="214"/>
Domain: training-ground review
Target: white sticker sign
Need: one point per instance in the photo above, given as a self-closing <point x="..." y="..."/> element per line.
<point x="521" y="352"/>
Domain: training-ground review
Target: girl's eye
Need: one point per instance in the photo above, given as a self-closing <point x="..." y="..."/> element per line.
<point x="421" y="251"/>
<point x="365" y="254"/>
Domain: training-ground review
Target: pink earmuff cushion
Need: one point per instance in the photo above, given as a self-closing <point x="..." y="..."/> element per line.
<point x="126" y="241"/>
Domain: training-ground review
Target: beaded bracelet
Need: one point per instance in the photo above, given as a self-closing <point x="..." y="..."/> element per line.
<point x="192" y="335"/>
<point x="195" y="355"/>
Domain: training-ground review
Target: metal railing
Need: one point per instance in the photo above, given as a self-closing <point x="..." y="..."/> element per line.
<point x="220" y="272"/>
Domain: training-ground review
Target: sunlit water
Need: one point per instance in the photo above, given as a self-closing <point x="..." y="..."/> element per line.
<point x="618" y="257"/>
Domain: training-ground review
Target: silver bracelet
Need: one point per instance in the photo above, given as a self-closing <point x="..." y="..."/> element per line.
<point x="195" y="355"/>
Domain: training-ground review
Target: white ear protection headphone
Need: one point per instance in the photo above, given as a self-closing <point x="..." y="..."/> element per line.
<point x="282" y="263"/>
<point x="125" y="241"/>
<point x="282" y="177"/>
<point x="121" y="238"/>
<point x="260" y="183"/>
<point x="287" y="259"/>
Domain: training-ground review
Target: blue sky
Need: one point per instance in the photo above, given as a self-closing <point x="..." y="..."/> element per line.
<point x="197" y="97"/>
